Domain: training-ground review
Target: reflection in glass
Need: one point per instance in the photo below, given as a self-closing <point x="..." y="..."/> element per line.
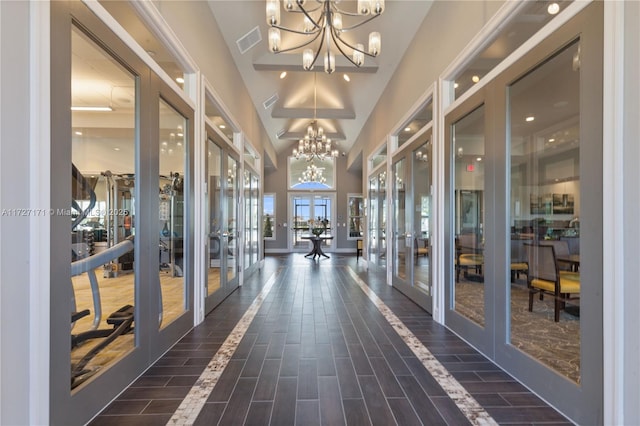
<point x="398" y="220"/>
<point x="171" y="226"/>
<point x="545" y="207"/>
<point x="356" y="216"/>
<point x="248" y="243"/>
<point x="255" y="205"/>
<point x="468" y="174"/>
<point x="214" y="214"/>
<point x="230" y="229"/>
<point x="422" y="200"/>
<point x="102" y="225"/>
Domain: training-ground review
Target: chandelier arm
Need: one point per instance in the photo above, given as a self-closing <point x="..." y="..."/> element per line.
<point x="291" y="30"/>
<point x="336" y="35"/>
<point x="359" y="24"/>
<point x="300" y="11"/>
<point x="313" y="21"/>
<point x="306" y="43"/>
<point x="315" y="57"/>
<point x="336" y="39"/>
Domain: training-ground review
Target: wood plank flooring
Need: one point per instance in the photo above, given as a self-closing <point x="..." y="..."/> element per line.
<point x="318" y="350"/>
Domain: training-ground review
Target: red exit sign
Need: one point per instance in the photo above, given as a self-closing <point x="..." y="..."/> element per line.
<point x="471" y="168"/>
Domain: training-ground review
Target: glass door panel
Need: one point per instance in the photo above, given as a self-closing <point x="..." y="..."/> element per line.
<point x="377" y="219"/>
<point x="468" y="183"/>
<point x="214" y="217"/>
<point x="247" y="219"/>
<point x="421" y="247"/>
<point x="229" y="231"/>
<point x="255" y="230"/>
<point x="102" y="223"/>
<point x="545" y="207"/>
<point x="399" y="223"/>
<point x="309" y="212"/>
<point x="172" y="212"/>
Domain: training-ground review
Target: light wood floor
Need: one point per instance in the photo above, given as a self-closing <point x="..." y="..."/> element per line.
<point x="115" y="292"/>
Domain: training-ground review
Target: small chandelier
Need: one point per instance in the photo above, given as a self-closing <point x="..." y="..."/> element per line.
<point x="327" y="25"/>
<point x="315" y="144"/>
<point x="312" y="174"/>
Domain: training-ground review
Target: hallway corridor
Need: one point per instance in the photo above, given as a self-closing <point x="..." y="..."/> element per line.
<point x="308" y="343"/>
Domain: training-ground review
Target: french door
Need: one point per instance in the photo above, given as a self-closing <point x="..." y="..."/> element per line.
<point x="410" y="215"/>
<point x="305" y="211"/>
<point x="221" y="276"/>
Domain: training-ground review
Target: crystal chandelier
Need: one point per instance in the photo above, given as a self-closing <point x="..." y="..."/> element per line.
<point x="315" y="144"/>
<point x="324" y="22"/>
<point x="312" y="174"/>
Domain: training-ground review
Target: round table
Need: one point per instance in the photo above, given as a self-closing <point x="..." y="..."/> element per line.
<point x="317" y="245"/>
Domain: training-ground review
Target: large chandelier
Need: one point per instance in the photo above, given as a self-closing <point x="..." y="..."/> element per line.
<point x="315" y="144"/>
<point x="325" y="23"/>
<point x="312" y="174"/>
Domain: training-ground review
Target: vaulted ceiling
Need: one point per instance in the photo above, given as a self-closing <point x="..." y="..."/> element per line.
<point x="287" y="105"/>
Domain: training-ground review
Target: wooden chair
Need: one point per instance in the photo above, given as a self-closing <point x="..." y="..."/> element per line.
<point x="421" y="250"/>
<point x="544" y="277"/>
<point x="519" y="263"/>
<point x="359" y="246"/>
<point x="468" y="255"/>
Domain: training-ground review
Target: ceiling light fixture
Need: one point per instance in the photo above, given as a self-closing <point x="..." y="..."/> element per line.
<point x="283" y="74"/>
<point x="346" y="78"/>
<point x="315" y="144"/>
<point x="91" y="108"/>
<point x="530" y="118"/>
<point x="312" y="174"/>
<point x="553" y="8"/>
<point x="325" y="23"/>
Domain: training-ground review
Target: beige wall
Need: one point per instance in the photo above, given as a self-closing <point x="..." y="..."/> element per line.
<point x="447" y="29"/>
<point x="196" y="28"/>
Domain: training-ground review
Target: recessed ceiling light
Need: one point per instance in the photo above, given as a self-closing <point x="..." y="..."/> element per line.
<point x="180" y="80"/>
<point x="181" y="134"/>
<point x="179" y="144"/>
<point x="283" y="74"/>
<point x="475" y="79"/>
<point x="79" y="133"/>
<point x="552" y="140"/>
<point x="455" y="85"/>
<point x="91" y="108"/>
<point x="530" y="118"/>
<point x="222" y="126"/>
<point x="180" y="127"/>
<point x="553" y="8"/>
<point x="479" y="159"/>
<point x="407" y="129"/>
<point x="164" y="143"/>
<point x="346" y="77"/>
<point x="116" y="149"/>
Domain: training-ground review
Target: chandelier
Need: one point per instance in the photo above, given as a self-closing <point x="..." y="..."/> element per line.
<point x="315" y="144"/>
<point x="324" y="22"/>
<point x="312" y="174"/>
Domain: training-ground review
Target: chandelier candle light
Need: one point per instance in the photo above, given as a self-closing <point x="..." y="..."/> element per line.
<point x="324" y="22"/>
<point x="315" y="143"/>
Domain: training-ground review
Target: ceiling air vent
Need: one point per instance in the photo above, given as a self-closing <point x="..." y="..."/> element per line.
<point x="269" y="102"/>
<point x="249" y="40"/>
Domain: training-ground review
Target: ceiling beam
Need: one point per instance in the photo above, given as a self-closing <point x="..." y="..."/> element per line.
<point x="322" y="113"/>
<point x="293" y="62"/>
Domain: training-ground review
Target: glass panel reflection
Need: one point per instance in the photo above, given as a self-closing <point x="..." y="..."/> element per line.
<point x="171" y="226"/>
<point x="233" y="195"/>
<point x="103" y="209"/>
<point x="214" y="214"/>
<point x="468" y="146"/>
<point x="422" y="207"/>
<point x="399" y="221"/>
<point x="545" y="210"/>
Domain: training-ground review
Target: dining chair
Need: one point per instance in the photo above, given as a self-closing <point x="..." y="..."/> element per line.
<point x="519" y="263"/>
<point x="544" y="277"/>
<point x="560" y="249"/>
<point x="421" y="249"/>
<point x="468" y="255"/>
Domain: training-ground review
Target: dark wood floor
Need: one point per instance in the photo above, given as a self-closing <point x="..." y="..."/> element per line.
<point x="319" y="352"/>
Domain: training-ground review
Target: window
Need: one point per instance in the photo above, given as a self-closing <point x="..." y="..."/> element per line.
<point x="268" y="216"/>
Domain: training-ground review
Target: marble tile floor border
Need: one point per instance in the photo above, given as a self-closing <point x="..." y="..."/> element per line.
<point x="189" y="409"/>
<point x="192" y="404"/>
<point x="458" y="394"/>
